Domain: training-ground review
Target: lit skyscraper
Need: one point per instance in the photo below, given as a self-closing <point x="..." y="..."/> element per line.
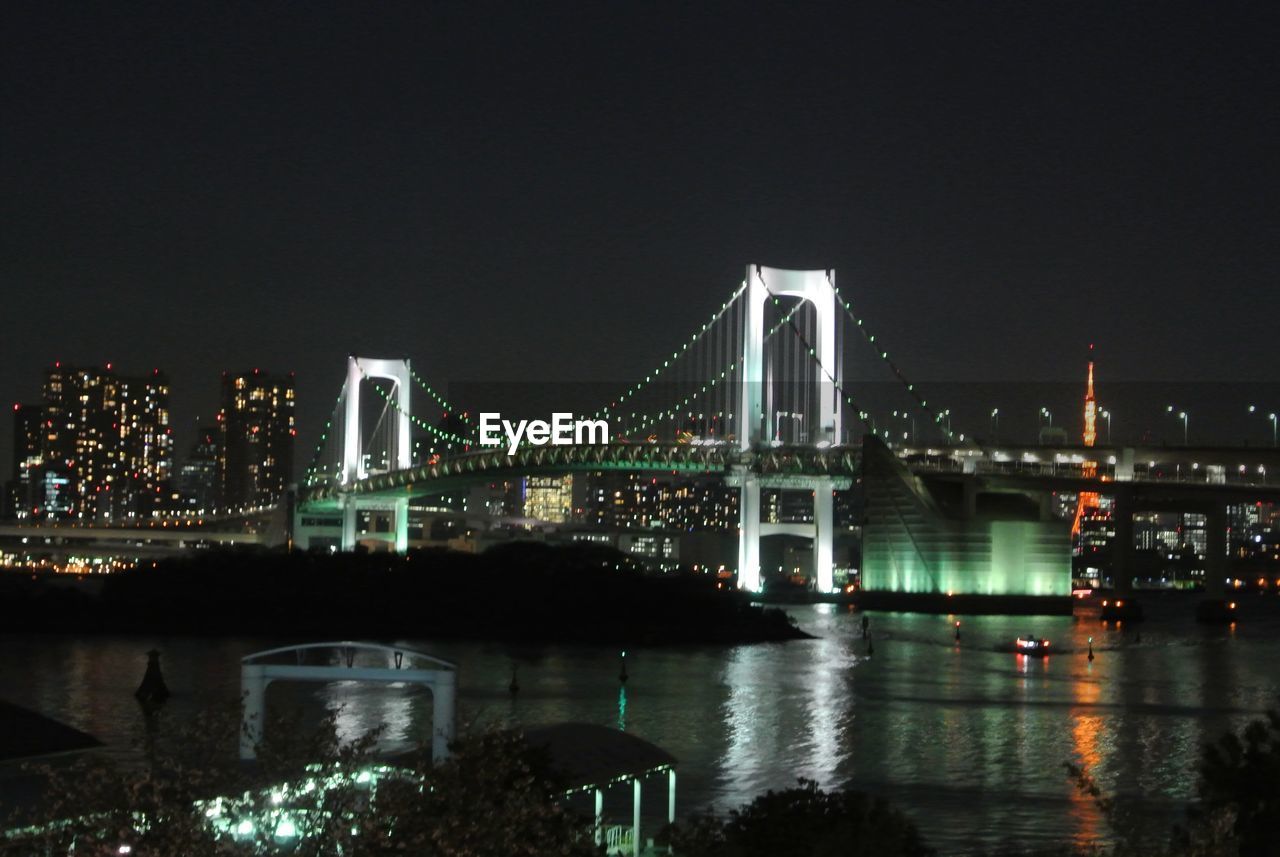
<point x="145" y="456"/>
<point x="109" y="437"/>
<point x="257" y="431"/>
<point x="549" y="498"/>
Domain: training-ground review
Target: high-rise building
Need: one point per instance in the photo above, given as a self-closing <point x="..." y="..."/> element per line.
<point x="109" y="437"/>
<point x="146" y="446"/>
<point x="195" y="487"/>
<point x="549" y="498"/>
<point x="28" y="458"/>
<point x="257" y="431"/>
<point x="81" y="407"/>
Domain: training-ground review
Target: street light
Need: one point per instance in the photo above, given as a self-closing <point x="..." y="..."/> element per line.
<point x="995" y="424"/>
<point x="1106" y="415"/>
<point x="777" y="423"/>
<point x="1182" y="415"/>
<point x="1272" y="418"/>
<point x="906" y="415"/>
<point x="1045" y="412"/>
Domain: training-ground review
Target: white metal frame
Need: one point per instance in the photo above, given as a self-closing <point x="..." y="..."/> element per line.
<point x="441" y="679"/>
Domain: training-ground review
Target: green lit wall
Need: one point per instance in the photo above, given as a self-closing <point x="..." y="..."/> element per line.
<point x="968" y="557"/>
<point x="910" y="545"/>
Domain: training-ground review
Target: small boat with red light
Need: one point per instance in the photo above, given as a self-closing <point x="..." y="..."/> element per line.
<point x="1033" y="647"/>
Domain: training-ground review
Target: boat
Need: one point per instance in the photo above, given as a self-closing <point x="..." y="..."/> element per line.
<point x="1032" y="647"/>
<point x="1120" y="610"/>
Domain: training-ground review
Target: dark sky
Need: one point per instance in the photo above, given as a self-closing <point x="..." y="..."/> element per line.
<point x="551" y="190"/>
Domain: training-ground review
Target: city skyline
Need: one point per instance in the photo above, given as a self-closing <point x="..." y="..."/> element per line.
<point x="425" y="398"/>
<point x="1140" y="409"/>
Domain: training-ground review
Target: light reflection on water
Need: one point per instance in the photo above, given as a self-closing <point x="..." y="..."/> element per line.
<point x="971" y="741"/>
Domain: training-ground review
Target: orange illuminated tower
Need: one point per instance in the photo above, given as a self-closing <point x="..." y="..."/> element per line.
<point x="1088" y="501"/>
<point x="1090" y="407"/>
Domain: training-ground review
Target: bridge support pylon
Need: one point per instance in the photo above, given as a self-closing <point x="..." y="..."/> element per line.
<point x="824" y="534"/>
<point x="818" y="288"/>
<point x="355" y="463"/>
<point x="749" y="534"/>
<point x="750" y="528"/>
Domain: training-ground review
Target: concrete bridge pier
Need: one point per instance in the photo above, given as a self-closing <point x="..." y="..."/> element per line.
<point x="1216" y="607"/>
<point x="1122" y="605"/>
<point x="824" y="534"/>
<point x="1122" y="544"/>
<point x="1216" y="567"/>
<point x="350" y="519"/>
<point x="400" y="524"/>
<point x="749" y="533"/>
<point x="397" y="510"/>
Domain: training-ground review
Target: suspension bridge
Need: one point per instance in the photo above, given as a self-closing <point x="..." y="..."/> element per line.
<point x="755" y="394"/>
<point x="772" y="392"/>
<point x="765" y="395"/>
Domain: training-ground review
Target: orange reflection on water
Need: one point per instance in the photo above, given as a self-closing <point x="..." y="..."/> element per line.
<point x="1086" y="733"/>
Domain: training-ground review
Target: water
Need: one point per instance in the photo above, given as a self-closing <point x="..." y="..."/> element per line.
<point x="968" y="740"/>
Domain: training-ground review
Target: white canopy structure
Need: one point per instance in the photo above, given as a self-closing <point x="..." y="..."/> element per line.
<point x="347" y="661"/>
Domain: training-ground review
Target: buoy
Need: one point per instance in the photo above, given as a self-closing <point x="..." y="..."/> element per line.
<point x="622" y="674"/>
<point x="865" y="623"/>
<point x="153" y="690"/>
<point x="1091" y="648"/>
<point x="871" y="647"/>
<point x="957" y="630"/>
<point x="514" y="687"/>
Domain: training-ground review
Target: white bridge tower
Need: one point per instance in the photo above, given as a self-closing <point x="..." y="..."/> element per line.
<point x="818" y="288"/>
<point x="354" y="466"/>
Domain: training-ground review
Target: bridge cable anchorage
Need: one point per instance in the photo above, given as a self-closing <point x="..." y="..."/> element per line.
<point x="934" y="414"/>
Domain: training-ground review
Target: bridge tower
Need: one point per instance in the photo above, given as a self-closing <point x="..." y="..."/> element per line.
<point x="354" y="465"/>
<point x="818" y="288"/>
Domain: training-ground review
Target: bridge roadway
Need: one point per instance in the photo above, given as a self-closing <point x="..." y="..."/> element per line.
<point x="1160" y="478"/>
<point x="1055" y="468"/>
<point x="779" y="466"/>
<point x="65" y="533"/>
<point x="1164" y="494"/>
<point x="1239" y="463"/>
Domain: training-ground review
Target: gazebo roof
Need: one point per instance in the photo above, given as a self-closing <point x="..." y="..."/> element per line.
<point x="585" y="754"/>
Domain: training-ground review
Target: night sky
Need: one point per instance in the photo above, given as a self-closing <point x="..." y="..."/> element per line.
<point x="551" y="190"/>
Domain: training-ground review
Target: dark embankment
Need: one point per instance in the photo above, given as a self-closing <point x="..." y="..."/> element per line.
<point x="521" y="591"/>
